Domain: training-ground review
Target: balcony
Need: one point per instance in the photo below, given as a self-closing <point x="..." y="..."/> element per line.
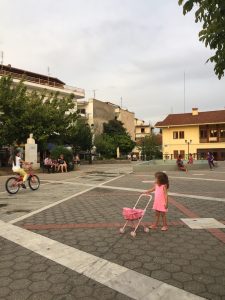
<point x="44" y="82"/>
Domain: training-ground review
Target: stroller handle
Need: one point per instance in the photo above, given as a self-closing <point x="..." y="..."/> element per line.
<point x="148" y="202"/>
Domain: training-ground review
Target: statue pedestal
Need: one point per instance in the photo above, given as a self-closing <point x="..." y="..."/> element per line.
<point x="31" y="152"/>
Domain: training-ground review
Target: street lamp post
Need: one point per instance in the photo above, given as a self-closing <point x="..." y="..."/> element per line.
<point x="188" y="142"/>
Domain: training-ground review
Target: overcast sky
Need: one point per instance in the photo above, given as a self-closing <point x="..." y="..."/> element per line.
<point x="134" y="49"/>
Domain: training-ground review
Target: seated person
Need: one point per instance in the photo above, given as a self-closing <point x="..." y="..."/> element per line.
<point x="48" y="163"/>
<point x="62" y="163"/>
<point x="180" y="164"/>
<point x="54" y="165"/>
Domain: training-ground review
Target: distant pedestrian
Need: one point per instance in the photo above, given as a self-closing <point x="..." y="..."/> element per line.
<point x="160" y="204"/>
<point x="210" y="159"/>
<point x="190" y="159"/>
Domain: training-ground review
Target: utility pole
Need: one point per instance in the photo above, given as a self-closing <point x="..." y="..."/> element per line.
<point x="2" y="58"/>
<point x="94" y="94"/>
<point x="48" y="74"/>
<point x="121" y="102"/>
<point x="184" y="92"/>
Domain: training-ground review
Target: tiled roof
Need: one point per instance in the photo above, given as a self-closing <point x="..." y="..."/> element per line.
<point x="207" y="117"/>
<point x="13" y="71"/>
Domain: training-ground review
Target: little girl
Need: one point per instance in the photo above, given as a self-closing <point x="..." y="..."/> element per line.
<point x="161" y="199"/>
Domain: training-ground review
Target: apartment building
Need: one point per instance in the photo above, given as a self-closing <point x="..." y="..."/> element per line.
<point x="195" y="132"/>
<point x="142" y="129"/>
<point x="97" y="112"/>
<point x="40" y="82"/>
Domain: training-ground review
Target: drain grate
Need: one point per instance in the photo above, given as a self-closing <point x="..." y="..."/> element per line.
<point x="18" y="211"/>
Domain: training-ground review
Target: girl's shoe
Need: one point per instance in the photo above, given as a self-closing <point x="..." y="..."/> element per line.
<point x="164" y="228"/>
<point x="153" y="226"/>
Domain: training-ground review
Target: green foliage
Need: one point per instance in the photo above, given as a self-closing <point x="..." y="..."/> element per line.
<point x="150" y="147"/>
<point x="105" y="145"/>
<point x="114" y="127"/>
<point x="68" y="155"/>
<point x="124" y="142"/>
<point x="79" y="136"/>
<point x="45" y="115"/>
<point x="211" y="13"/>
<point x="114" y="135"/>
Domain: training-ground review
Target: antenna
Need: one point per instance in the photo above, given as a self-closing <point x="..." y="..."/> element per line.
<point x="94" y="93"/>
<point x="121" y="102"/>
<point x="48" y="73"/>
<point x="2" y="58"/>
<point x="184" y="92"/>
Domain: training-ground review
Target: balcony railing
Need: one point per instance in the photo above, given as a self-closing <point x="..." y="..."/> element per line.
<point x="41" y="81"/>
<point x="75" y="89"/>
<point x="32" y="79"/>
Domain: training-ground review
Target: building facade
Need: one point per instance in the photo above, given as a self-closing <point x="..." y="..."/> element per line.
<point x="196" y="133"/>
<point x="142" y="129"/>
<point x="39" y="82"/>
<point x="97" y="113"/>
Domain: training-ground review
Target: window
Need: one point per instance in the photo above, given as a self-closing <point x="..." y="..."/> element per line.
<point x="81" y="111"/>
<point x="175" y="135"/>
<point x="222" y="133"/>
<point x="213" y="132"/>
<point x="175" y="154"/>
<point x="203" y="134"/>
<point x="182" y="153"/>
<point x="181" y="134"/>
<point x="142" y="130"/>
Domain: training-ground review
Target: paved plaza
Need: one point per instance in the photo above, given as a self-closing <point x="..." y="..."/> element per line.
<point x="63" y="241"/>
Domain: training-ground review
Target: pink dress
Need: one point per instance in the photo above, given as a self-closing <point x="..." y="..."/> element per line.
<point x="160" y="199"/>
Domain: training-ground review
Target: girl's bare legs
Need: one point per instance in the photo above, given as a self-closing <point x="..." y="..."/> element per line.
<point x="165" y="226"/>
<point x="157" y="216"/>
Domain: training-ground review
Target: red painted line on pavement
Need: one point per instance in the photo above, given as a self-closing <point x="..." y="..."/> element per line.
<point x="217" y="233"/>
<point x="187" y="212"/>
<point x="220" y="235"/>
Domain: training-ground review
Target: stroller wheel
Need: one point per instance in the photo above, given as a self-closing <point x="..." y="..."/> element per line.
<point x="122" y="230"/>
<point x="146" y="229"/>
<point x="133" y="234"/>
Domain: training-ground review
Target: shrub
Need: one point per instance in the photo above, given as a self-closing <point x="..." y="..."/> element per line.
<point x="68" y="155"/>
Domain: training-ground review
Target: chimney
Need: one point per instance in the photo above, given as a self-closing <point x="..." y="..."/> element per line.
<point x="194" y="111"/>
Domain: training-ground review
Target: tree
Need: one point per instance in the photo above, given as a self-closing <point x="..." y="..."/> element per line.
<point x="150" y="147"/>
<point x="211" y="13"/>
<point x="105" y="145"/>
<point x="46" y="116"/>
<point x="79" y="136"/>
<point x="124" y="142"/>
<point x="120" y="136"/>
<point x="114" y="127"/>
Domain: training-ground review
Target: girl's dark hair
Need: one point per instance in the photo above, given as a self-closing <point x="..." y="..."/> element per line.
<point x="14" y="155"/>
<point x="162" y="178"/>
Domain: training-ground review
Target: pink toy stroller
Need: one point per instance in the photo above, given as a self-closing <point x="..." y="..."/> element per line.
<point x="132" y="214"/>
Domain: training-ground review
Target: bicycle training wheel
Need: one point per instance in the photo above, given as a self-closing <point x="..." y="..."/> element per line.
<point x="11" y="185"/>
<point x="34" y="182"/>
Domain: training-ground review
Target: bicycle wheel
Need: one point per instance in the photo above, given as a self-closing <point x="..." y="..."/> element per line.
<point x="11" y="185"/>
<point x="34" y="182"/>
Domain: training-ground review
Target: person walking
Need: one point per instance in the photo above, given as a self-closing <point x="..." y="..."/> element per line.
<point x="190" y="159"/>
<point x="160" y="204"/>
<point x="210" y="159"/>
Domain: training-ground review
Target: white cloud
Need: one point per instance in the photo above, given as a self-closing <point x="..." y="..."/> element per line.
<point x="134" y="49"/>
